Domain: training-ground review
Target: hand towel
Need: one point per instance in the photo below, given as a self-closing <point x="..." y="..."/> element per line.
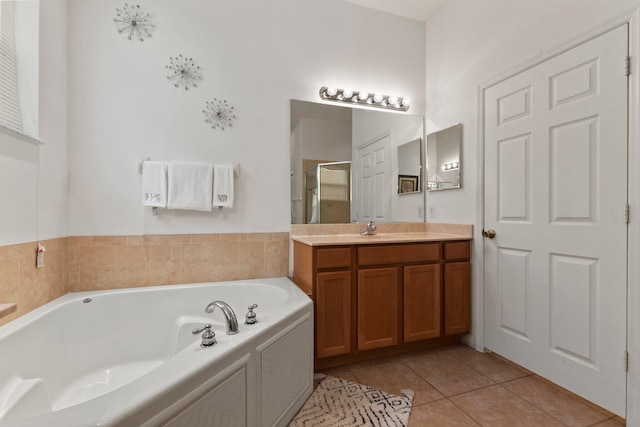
<point x="223" y="185"/>
<point x="190" y="186"/>
<point x="154" y="184"/>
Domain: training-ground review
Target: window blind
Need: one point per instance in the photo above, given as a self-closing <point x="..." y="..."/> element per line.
<point x="10" y="115"/>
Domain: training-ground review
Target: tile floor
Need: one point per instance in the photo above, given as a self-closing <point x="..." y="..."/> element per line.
<point x="458" y="386"/>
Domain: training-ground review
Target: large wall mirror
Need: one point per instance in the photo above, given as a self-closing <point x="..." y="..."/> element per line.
<point x="355" y="165"/>
<point x="443" y="159"/>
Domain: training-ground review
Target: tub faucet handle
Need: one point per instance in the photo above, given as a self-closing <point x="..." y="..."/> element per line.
<point x="251" y="318"/>
<point x="208" y="336"/>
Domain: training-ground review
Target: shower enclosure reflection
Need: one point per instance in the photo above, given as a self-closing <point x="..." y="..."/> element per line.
<point x="328" y="193"/>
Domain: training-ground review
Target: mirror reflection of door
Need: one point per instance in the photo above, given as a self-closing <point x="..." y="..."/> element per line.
<point x="373" y="176"/>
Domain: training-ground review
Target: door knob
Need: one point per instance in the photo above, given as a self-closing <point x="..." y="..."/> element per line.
<point x="489" y="233"/>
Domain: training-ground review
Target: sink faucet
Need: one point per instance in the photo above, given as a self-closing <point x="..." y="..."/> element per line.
<point x="371" y="229"/>
<point x="230" y="316"/>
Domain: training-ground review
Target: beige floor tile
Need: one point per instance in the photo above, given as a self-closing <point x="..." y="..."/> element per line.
<point x="497" y="369"/>
<point x="497" y="407"/>
<point x="448" y="374"/>
<point x="340" y="372"/>
<point x="441" y="413"/>
<point x="611" y="422"/>
<point x="372" y="363"/>
<point x="569" y="409"/>
<point x="394" y="378"/>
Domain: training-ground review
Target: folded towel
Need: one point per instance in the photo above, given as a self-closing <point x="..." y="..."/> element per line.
<point x="190" y="186"/>
<point x="223" y="185"/>
<point x="154" y="184"/>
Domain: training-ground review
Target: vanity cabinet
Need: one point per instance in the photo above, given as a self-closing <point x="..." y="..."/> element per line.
<point x="378" y="299"/>
<point x="384" y="298"/>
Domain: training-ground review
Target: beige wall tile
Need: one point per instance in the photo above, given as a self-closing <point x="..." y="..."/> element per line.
<point x="251" y="261"/>
<point x="97" y="266"/>
<point x="24" y="249"/>
<point x="80" y="241"/>
<point x="165" y="264"/>
<point x="109" y="240"/>
<point x="132" y="266"/>
<point x="225" y="260"/>
<point x="9" y="280"/>
<point x="276" y="261"/>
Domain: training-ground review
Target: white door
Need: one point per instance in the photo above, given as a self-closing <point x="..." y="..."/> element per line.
<point x="373" y="180"/>
<point x="555" y="194"/>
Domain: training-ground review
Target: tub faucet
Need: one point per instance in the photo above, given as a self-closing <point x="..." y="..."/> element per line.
<point x="371" y="229"/>
<point x="230" y="316"/>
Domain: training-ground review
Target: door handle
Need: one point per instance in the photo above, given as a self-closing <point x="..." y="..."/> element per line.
<point x="489" y="233"/>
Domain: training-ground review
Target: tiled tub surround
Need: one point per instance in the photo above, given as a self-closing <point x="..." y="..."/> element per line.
<point x="114" y="262"/>
<point x="26" y="286"/>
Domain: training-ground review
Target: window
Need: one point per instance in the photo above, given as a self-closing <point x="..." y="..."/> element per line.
<point x="19" y="59"/>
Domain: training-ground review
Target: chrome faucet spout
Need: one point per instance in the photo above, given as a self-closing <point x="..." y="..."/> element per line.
<point x="371" y="229"/>
<point x="230" y="316"/>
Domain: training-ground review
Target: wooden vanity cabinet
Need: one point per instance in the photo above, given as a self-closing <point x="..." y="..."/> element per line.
<point x="384" y="298"/>
<point x="378" y="299"/>
<point x="457" y="284"/>
<point x="325" y="274"/>
<point x="422" y="302"/>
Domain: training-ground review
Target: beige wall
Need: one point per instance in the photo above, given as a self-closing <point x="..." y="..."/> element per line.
<point x="113" y="262"/>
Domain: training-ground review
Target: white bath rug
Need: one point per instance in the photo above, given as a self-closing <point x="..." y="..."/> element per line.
<point x="341" y="403"/>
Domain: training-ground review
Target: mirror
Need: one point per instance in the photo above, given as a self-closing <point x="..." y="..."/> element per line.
<point x="410" y="167"/>
<point x="444" y="164"/>
<point x="347" y="164"/>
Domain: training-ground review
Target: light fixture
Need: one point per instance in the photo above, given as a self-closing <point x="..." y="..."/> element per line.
<point x="450" y="166"/>
<point x="364" y="98"/>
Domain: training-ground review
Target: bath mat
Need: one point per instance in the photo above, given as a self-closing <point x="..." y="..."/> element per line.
<point x="341" y="403"/>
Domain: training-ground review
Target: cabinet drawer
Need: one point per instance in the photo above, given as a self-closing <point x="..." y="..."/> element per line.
<point x="333" y="257"/>
<point x="457" y="250"/>
<point x="398" y="254"/>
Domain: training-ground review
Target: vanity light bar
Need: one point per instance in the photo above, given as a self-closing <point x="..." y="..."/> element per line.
<point x="364" y="98"/>
<point x="450" y="166"/>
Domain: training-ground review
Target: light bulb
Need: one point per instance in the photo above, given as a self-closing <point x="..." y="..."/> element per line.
<point x="378" y="99"/>
<point x="363" y="96"/>
<point x="392" y="100"/>
<point x="405" y="102"/>
<point x="347" y="93"/>
<point x="331" y="91"/>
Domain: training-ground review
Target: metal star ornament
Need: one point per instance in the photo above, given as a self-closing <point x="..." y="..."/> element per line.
<point x="219" y="114"/>
<point x="133" y="21"/>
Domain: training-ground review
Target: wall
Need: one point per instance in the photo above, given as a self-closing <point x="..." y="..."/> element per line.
<point x="257" y="55"/>
<point x="32" y="176"/>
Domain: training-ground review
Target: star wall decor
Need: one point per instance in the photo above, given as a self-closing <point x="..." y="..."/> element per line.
<point x="219" y="114"/>
<point x="134" y="22"/>
<point x="183" y="72"/>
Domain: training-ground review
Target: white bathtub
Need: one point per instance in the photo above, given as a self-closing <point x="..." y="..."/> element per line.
<point x="128" y="358"/>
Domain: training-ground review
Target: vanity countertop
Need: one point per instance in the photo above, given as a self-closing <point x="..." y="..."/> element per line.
<point x="429" y="234"/>
<point x="357" y="239"/>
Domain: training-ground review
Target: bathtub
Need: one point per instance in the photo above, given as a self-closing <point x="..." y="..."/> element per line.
<point x="129" y="358"/>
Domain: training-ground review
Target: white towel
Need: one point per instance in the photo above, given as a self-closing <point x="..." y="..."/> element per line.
<point x="190" y="186"/>
<point x="154" y="184"/>
<point x="223" y="185"/>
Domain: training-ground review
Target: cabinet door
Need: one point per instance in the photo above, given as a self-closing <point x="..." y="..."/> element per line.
<point x="377" y="307"/>
<point x="422" y="300"/>
<point x="457" y="298"/>
<point x="333" y="313"/>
